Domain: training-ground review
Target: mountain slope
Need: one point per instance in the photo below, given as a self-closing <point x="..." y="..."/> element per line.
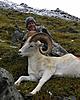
<point x="65" y="32"/>
<point x="43" y="12"/>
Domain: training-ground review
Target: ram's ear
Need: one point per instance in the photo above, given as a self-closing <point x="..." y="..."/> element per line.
<point x="38" y="43"/>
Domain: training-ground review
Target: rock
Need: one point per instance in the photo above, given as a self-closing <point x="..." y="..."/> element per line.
<point x="8" y="90"/>
<point x="17" y="36"/>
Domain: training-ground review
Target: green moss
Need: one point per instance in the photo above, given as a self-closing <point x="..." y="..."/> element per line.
<point x="11" y="61"/>
<point x="71" y="41"/>
<point x="57" y="86"/>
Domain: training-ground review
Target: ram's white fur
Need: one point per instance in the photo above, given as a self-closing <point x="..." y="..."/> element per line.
<point x="43" y="67"/>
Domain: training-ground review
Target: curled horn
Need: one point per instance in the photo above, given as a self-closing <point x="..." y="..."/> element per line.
<point x="45" y="39"/>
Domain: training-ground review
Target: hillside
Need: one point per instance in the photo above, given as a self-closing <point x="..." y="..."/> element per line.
<point x="66" y="33"/>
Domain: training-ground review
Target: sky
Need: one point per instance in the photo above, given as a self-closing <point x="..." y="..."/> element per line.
<point x="70" y="6"/>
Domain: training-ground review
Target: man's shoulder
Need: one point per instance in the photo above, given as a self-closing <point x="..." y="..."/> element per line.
<point x="39" y="28"/>
<point x="42" y="29"/>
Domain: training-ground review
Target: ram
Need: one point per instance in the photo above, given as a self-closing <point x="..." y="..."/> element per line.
<point x="41" y="67"/>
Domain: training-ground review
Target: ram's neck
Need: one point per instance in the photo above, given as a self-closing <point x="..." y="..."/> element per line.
<point x="35" y="59"/>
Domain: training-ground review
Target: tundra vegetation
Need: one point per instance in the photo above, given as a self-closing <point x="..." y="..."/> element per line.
<point x="66" y="33"/>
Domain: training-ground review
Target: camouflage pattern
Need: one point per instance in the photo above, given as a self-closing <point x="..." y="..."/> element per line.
<point x="57" y="50"/>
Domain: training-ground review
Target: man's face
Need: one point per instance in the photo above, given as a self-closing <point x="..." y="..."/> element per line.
<point x="31" y="26"/>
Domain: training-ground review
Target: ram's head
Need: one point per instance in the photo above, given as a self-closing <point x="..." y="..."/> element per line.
<point x="40" y="41"/>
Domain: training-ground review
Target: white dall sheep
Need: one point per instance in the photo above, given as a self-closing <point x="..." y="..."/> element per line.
<point x="44" y="67"/>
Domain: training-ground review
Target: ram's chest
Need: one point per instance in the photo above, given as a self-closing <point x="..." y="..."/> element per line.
<point x="35" y="65"/>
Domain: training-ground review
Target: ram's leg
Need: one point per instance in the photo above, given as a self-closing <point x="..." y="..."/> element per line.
<point x="46" y="76"/>
<point x="25" y="78"/>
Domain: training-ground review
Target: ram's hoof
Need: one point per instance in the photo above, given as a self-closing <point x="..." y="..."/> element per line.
<point x="17" y="83"/>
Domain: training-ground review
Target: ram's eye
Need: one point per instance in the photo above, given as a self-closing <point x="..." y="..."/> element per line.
<point x="31" y="46"/>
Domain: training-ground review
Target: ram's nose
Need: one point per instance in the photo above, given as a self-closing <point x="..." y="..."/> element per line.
<point x="19" y="51"/>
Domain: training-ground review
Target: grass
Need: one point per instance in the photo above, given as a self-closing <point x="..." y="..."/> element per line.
<point x="57" y="86"/>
